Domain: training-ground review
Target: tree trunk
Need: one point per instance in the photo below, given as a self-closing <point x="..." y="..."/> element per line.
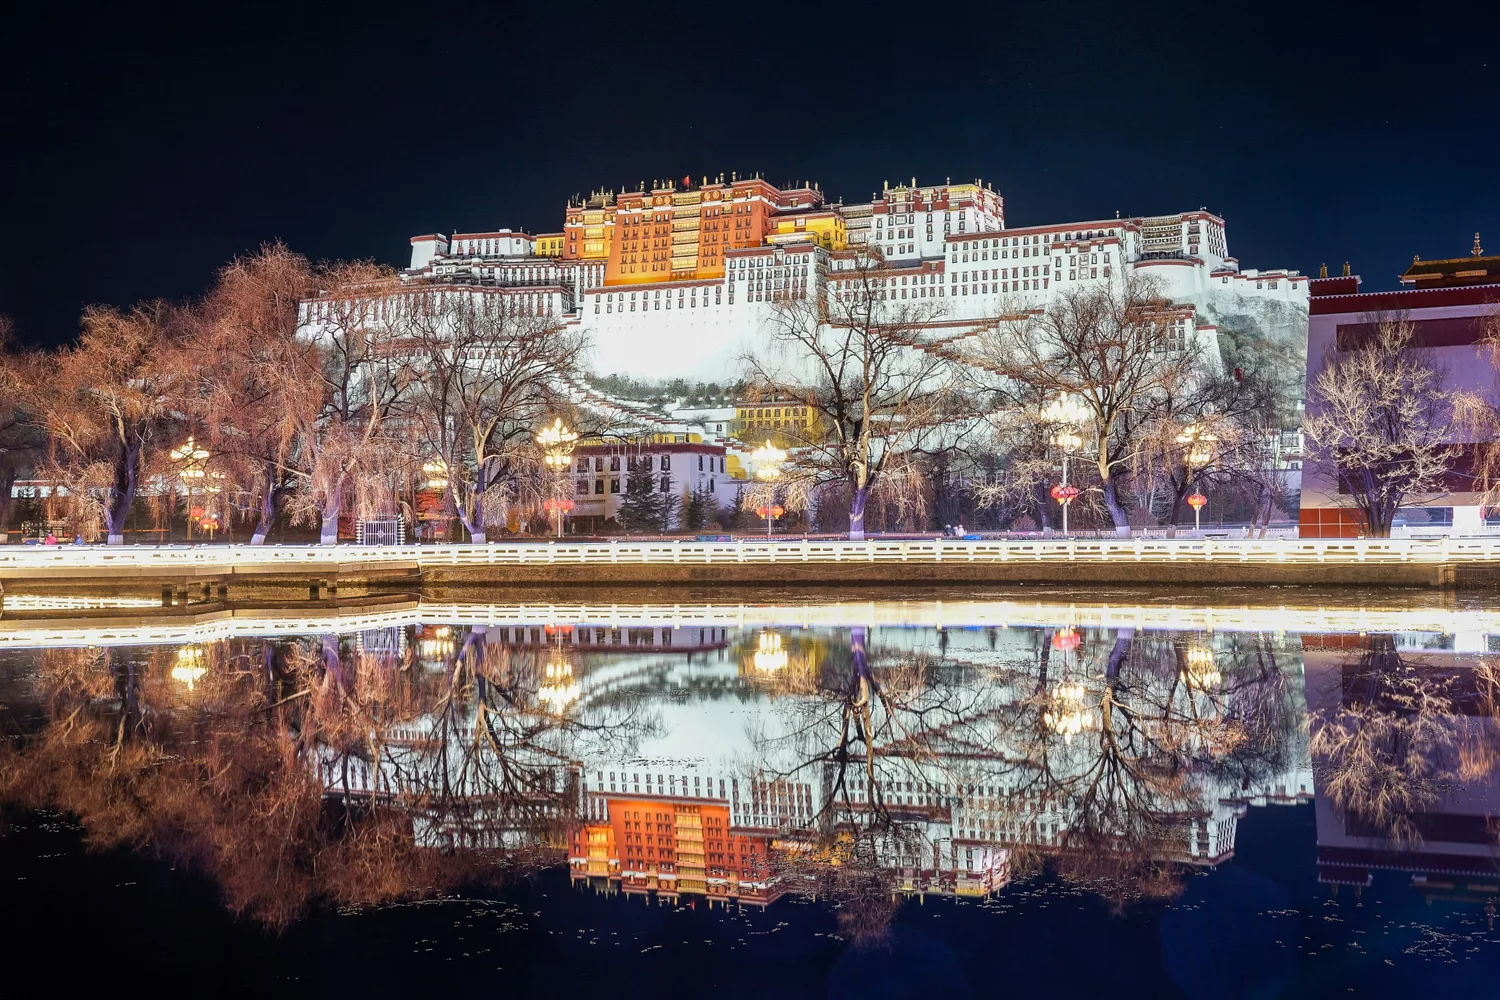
<point x="1263" y="510"/>
<point x="122" y="494"/>
<point x="857" y="654"/>
<point x="7" y="483"/>
<point x="269" y="499"/>
<point x="1119" y="653"/>
<point x="333" y="662"/>
<point x="1175" y="514"/>
<point x="857" y="514"/>
<point x="1116" y="509"/>
<point x="1041" y="498"/>
<point x="473" y="525"/>
<point x="1041" y="684"/>
<point x="329" y="530"/>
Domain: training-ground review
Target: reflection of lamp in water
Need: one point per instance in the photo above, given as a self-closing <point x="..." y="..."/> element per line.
<point x="559" y="689"/>
<point x="438" y="645"/>
<point x="1068" y="717"/>
<point x="769" y="656"/>
<point x="1199" y="671"/>
<point x="189" y="666"/>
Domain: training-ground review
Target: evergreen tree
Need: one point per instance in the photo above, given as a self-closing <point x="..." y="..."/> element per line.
<point x="701" y="509"/>
<point x="692" y="512"/>
<point x="734" y="518"/>
<point x="667" y="505"/>
<point x="641" y="506"/>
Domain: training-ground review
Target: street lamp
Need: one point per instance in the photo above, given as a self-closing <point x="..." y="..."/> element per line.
<point x="436" y="472"/>
<point x="557" y="443"/>
<point x="1065" y="413"/>
<point x="768" y="460"/>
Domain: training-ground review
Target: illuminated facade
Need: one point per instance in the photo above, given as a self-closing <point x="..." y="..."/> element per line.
<point x="678" y="463"/>
<point x="676" y="279"/>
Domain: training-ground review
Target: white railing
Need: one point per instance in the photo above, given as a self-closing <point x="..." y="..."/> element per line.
<point x="145" y="559"/>
<point x="140" y="627"/>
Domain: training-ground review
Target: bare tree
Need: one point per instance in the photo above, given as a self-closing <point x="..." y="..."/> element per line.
<point x="1114" y="349"/>
<point x="355" y="451"/>
<point x="20" y="439"/>
<point x="105" y="405"/>
<point x="1019" y="437"/>
<point x="1404" y="731"/>
<point x="260" y="384"/>
<point x="490" y="375"/>
<point x="852" y="357"/>
<point x="1378" y="420"/>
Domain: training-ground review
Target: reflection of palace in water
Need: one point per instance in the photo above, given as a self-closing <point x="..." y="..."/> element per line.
<point x="731" y="783"/>
<point x="1410" y="784"/>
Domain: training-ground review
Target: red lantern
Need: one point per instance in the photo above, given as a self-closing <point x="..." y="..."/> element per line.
<point x="1066" y="640"/>
<point x="552" y="506"/>
<point x="769" y="511"/>
<point x="1064" y="494"/>
<point x="1197" y="500"/>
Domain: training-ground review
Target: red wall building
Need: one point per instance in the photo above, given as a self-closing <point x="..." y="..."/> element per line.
<point x="1451" y="303"/>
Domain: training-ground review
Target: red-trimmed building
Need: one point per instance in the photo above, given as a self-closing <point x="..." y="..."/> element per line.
<point x="1448" y="302"/>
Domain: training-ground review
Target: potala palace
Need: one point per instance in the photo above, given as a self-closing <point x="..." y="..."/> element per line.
<point x="676" y="280"/>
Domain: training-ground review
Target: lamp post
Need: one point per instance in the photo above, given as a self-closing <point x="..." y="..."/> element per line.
<point x="191" y="459"/>
<point x="768" y="460"/>
<point x="557" y="443"/>
<point x="1065" y="414"/>
<point x="1197" y="443"/>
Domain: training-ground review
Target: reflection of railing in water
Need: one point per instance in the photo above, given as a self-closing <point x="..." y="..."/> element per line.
<point x="1469" y="626"/>
<point x="18" y="561"/>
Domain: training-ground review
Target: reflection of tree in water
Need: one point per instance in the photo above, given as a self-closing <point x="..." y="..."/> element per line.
<point x="855" y="728"/>
<point x="1097" y="759"/>
<point x="217" y="757"/>
<point x="1405" y="730"/>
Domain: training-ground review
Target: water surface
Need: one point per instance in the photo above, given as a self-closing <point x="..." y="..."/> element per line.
<point x="1241" y="794"/>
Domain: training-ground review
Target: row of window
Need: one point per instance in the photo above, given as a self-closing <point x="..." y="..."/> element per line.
<point x="614" y="486"/>
<point x="660" y="462"/>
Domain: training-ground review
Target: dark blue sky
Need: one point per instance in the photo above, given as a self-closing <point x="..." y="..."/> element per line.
<point x="145" y="149"/>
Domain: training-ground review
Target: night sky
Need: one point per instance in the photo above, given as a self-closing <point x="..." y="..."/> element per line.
<point x="143" y="150"/>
